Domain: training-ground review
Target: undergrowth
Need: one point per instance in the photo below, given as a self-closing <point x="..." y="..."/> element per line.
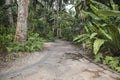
<point x="9" y="48"/>
<point x="112" y="62"/>
<point x="33" y="43"/>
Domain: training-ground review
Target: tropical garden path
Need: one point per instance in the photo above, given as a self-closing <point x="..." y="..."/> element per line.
<point x="58" y="61"/>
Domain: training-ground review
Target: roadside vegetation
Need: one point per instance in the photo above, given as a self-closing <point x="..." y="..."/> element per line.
<point x="102" y="31"/>
<point x="26" y="24"/>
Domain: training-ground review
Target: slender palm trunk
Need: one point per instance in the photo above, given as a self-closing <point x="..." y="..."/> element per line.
<point x="21" y="29"/>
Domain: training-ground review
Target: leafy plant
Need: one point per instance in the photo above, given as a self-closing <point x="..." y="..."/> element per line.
<point x="118" y="69"/>
<point x="6" y="36"/>
<point x="102" y="27"/>
<point x="97" y="43"/>
<point x="33" y="43"/>
<point x="99" y="57"/>
<point x="81" y="38"/>
<point x="112" y="62"/>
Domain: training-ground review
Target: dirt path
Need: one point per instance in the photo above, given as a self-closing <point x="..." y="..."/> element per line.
<point x="58" y="61"/>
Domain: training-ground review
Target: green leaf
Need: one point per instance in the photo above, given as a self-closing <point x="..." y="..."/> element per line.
<point x="100" y="5"/>
<point x="97" y="12"/>
<point x="113" y="62"/>
<point x="107" y="60"/>
<point x="97" y="44"/>
<point x="98" y="57"/>
<point x="118" y="69"/>
<point x="92" y="15"/>
<point x="93" y="35"/>
<point x="81" y="38"/>
<point x="109" y="13"/>
<point x="113" y="5"/>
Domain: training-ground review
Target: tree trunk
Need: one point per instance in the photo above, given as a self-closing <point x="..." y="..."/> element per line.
<point x="21" y="29"/>
<point x="10" y="16"/>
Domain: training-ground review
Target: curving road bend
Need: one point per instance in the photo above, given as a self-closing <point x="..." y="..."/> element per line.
<point x="58" y="61"/>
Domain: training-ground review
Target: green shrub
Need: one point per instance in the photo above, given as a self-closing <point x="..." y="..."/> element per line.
<point x="33" y="43"/>
<point x="6" y="36"/>
<point x="112" y="62"/>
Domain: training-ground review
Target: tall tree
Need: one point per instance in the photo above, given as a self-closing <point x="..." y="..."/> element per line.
<point x="9" y="11"/>
<point x="21" y="29"/>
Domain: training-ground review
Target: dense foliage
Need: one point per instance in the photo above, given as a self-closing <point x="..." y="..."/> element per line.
<point x="8" y="44"/>
<point x="102" y="32"/>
